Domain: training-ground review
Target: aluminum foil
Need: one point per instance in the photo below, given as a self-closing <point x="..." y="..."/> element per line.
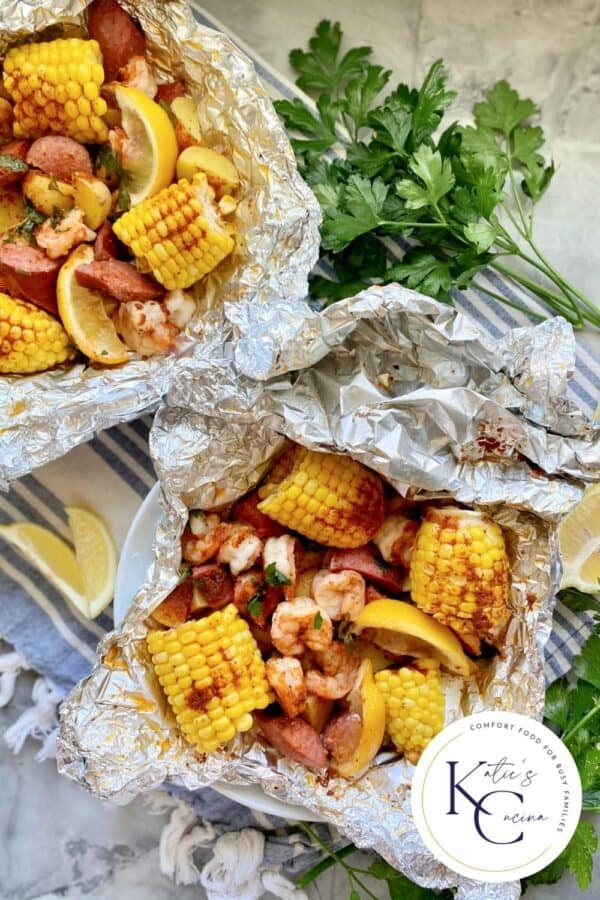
<point x="42" y="416"/>
<point x="414" y="390"/>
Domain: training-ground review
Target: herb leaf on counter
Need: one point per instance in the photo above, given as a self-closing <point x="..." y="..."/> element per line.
<point x="464" y="199"/>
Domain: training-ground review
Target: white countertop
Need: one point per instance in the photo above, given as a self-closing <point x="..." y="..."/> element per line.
<point x="55" y="840"/>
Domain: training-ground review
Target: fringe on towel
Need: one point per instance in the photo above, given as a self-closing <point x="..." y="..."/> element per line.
<point x="234" y="871"/>
<point x="40" y="721"/>
<point x="11" y="664"/>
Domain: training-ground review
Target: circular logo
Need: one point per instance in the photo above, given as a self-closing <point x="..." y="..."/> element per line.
<point x="496" y="796"/>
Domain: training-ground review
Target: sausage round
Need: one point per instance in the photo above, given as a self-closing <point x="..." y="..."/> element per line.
<point x="30" y="275"/>
<point x="295" y="738"/>
<point x="342" y="736"/>
<point x="119" y="279"/>
<point x="214" y="583"/>
<point x="169" y="92"/>
<point x="59" y="156"/>
<point x="107" y="245"/>
<point x="118" y="36"/>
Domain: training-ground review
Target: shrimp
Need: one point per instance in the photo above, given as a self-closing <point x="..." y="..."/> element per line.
<point x="199" y="547"/>
<point x="280" y="553"/>
<point x="181" y="306"/>
<point x="241" y="548"/>
<point x="136" y="73"/>
<point x="338" y="671"/>
<point x="145" y="327"/>
<point x="396" y="538"/>
<point x="58" y="239"/>
<point x="286" y="677"/>
<point x="299" y="624"/>
<point x="340" y="594"/>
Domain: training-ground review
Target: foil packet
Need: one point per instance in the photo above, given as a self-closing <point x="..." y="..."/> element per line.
<point x="43" y="416"/>
<point x="415" y="391"/>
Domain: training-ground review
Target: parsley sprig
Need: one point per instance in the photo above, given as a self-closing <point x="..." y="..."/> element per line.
<point x="463" y="198"/>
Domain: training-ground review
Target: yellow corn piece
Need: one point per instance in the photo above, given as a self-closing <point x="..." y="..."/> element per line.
<point x="213" y="676"/>
<point x="414" y="705"/>
<point x="459" y="574"/>
<point x="55" y="87"/>
<point x="178" y="233"/>
<point x="31" y="340"/>
<point x="328" y="498"/>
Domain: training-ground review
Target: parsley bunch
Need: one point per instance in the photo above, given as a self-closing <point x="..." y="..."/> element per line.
<point x="463" y="198"/>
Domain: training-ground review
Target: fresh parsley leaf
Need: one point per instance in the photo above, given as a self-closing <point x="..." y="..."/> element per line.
<point x="321" y="70"/>
<point x="422" y="271"/>
<point x="536" y="179"/>
<point x="167" y="108"/>
<point x="274" y="577"/>
<point x="392" y="124"/>
<point x="329" y="291"/>
<point x="255" y="605"/>
<point x="436" y="175"/>
<point x="526" y="141"/>
<point x="320" y="129"/>
<point x="399" y="886"/>
<point x="589" y="768"/>
<point x="432" y="100"/>
<point x="354" y="895"/>
<point x="10" y="163"/>
<point x="123" y="196"/>
<point x="481" y="144"/>
<point x="317" y="621"/>
<point x="558" y="703"/>
<point x="108" y="160"/>
<point x="482" y="234"/>
<point x="361" y="205"/>
<point x="577" y="601"/>
<point x="503" y="109"/>
<point x="360" y="94"/>
<point x="587" y="664"/>
<point x="581" y="849"/>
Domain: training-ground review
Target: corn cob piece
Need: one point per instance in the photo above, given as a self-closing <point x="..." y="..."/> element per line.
<point x="55" y="87"/>
<point x="178" y="233"/>
<point x="414" y="705"/>
<point x="328" y="498"/>
<point x="30" y="339"/>
<point x="459" y="574"/>
<point x="213" y="676"/>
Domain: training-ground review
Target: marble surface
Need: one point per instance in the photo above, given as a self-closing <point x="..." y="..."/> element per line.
<point x="56" y="841"/>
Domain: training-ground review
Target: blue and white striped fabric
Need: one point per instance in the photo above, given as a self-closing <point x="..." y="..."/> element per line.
<point x="113" y="473"/>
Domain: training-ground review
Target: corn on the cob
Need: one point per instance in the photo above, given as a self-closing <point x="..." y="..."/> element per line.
<point x="213" y="676"/>
<point x="30" y="339"/>
<point x="55" y="87"/>
<point x="178" y="232"/>
<point x="459" y="574"/>
<point x="328" y="498"/>
<point x="414" y="705"/>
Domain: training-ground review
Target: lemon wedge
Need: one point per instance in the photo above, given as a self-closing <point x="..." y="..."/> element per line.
<point x="84" y="315"/>
<point x="51" y="556"/>
<point x="579" y="541"/>
<point x="96" y="555"/>
<point x="85" y="577"/>
<point x="367" y="700"/>
<point x="403" y="630"/>
<point x="150" y="151"/>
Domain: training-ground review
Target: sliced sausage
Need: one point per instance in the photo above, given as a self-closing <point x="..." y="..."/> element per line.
<point x="60" y="156"/>
<point x="175" y="608"/>
<point x="370" y="565"/>
<point x="252" y="584"/>
<point x="118" y="36"/>
<point x="373" y="593"/>
<point x="246" y="510"/>
<point x="30" y="275"/>
<point x="18" y="150"/>
<point x="170" y="91"/>
<point x="119" y="279"/>
<point x="107" y="245"/>
<point x="295" y="738"/>
<point x="342" y="736"/>
<point x="213" y="586"/>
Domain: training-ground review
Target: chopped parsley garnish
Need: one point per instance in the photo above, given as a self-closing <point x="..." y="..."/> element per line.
<point x="184" y="572"/>
<point x="254" y="605"/>
<point x="317" y="621"/>
<point x="274" y="577"/>
<point x="11" y="163"/>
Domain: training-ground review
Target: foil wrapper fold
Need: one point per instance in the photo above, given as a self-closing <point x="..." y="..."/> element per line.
<point x="43" y="416"/>
<point x="414" y="390"/>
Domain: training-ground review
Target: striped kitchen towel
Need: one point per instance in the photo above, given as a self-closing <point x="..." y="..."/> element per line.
<point x="112" y="474"/>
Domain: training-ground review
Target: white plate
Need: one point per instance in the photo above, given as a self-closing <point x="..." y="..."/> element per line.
<point x="136" y="558"/>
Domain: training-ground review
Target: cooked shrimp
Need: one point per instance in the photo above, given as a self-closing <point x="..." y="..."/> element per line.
<point x="300" y="624"/>
<point x="338" y="671"/>
<point x="396" y="538"/>
<point x="199" y="548"/>
<point x="58" y="239"/>
<point x="145" y="327"/>
<point x="137" y="73"/>
<point x="286" y="677"/>
<point x="201" y="522"/>
<point x="241" y="549"/>
<point x="181" y="306"/>
<point x="280" y="552"/>
<point x="340" y="594"/>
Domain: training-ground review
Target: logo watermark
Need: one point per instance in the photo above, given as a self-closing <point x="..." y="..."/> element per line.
<point x="496" y="796"/>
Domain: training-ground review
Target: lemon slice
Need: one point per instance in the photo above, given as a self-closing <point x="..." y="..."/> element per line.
<point x="51" y="556"/>
<point x="579" y="540"/>
<point x="404" y="630"/>
<point x="96" y="555"/>
<point x="150" y="151"/>
<point x="84" y="316"/>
